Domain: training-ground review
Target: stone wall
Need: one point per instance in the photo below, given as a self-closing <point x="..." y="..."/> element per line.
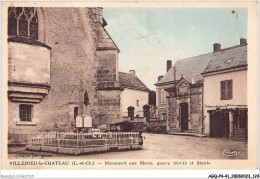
<point x="196" y="109"/>
<point x="69" y="32"/>
<point x="26" y="66"/>
<point x="76" y="66"/>
<point x="172" y="113"/>
<point x="109" y="110"/>
<point x="194" y="101"/>
<point x="107" y="70"/>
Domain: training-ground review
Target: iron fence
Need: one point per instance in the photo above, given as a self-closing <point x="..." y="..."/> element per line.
<point x="84" y="140"/>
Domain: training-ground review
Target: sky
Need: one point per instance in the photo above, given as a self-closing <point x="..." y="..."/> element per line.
<point x="148" y="37"/>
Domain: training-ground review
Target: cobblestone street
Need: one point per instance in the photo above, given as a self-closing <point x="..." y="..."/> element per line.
<point x="161" y="146"/>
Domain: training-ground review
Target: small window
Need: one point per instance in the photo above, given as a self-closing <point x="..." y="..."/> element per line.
<point x="164" y="116"/>
<point x="226" y="88"/>
<point x="76" y="112"/>
<point x="137" y="102"/>
<point x="163" y="96"/>
<point x="25" y="112"/>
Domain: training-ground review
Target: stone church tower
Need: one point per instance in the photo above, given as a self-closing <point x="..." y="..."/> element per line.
<point x="61" y="63"/>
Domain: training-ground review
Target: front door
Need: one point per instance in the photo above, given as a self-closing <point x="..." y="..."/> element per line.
<point x="219" y="124"/>
<point x="184" y="116"/>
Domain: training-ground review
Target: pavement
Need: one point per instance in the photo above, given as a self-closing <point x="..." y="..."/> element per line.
<point x="160" y="146"/>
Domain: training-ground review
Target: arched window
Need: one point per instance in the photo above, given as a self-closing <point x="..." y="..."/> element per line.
<point x="23" y="22"/>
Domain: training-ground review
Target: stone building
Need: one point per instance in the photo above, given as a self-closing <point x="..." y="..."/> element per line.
<point x="207" y="93"/>
<point x="135" y="96"/>
<point x="179" y="94"/>
<point x="225" y="92"/>
<point x="61" y="63"/>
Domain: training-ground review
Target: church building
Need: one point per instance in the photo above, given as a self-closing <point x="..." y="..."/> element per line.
<point x="61" y="63"/>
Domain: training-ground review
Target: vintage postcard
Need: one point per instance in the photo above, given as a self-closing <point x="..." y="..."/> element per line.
<point x="129" y="85"/>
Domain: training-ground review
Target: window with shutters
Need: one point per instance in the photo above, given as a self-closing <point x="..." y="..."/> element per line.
<point x="25" y="112"/>
<point x="226" y="89"/>
<point x="23" y="22"/>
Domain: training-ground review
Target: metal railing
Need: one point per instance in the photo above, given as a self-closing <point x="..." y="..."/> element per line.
<point x="83" y="140"/>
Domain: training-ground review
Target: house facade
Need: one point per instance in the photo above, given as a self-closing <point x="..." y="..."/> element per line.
<point x="180" y="94"/>
<point x="135" y="96"/>
<point x="61" y="63"/>
<point x="225" y="93"/>
<point x="206" y="94"/>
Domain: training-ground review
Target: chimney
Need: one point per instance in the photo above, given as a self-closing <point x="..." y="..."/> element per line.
<point x="132" y="72"/>
<point x="243" y="42"/>
<point x="217" y="47"/>
<point x="159" y="78"/>
<point x="169" y="65"/>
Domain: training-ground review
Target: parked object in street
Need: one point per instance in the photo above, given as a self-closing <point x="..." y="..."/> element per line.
<point x="126" y="126"/>
<point x="156" y="126"/>
<point x="96" y="133"/>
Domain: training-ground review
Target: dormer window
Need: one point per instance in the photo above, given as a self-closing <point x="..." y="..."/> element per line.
<point x="229" y="61"/>
<point x="23" y="22"/>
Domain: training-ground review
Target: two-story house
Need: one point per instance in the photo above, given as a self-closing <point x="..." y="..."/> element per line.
<point x="225" y="93"/>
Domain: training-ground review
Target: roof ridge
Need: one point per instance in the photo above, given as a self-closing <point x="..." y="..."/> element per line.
<point x="132" y="81"/>
<point x="220" y="62"/>
<point x="141" y="82"/>
<point x="178" y="63"/>
<point x="209" y="53"/>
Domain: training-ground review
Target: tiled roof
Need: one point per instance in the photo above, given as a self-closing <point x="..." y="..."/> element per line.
<point x="131" y="81"/>
<point x="191" y="68"/>
<point x="228" y="58"/>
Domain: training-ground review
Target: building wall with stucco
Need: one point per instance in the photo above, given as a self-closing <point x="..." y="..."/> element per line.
<point x="130" y="97"/>
<point x="212" y="95"/>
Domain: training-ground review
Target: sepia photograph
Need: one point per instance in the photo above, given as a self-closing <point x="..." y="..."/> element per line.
<point x="127" y="87"/>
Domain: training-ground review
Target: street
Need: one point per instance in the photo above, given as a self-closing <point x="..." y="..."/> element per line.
<point x="163" y="146"/>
